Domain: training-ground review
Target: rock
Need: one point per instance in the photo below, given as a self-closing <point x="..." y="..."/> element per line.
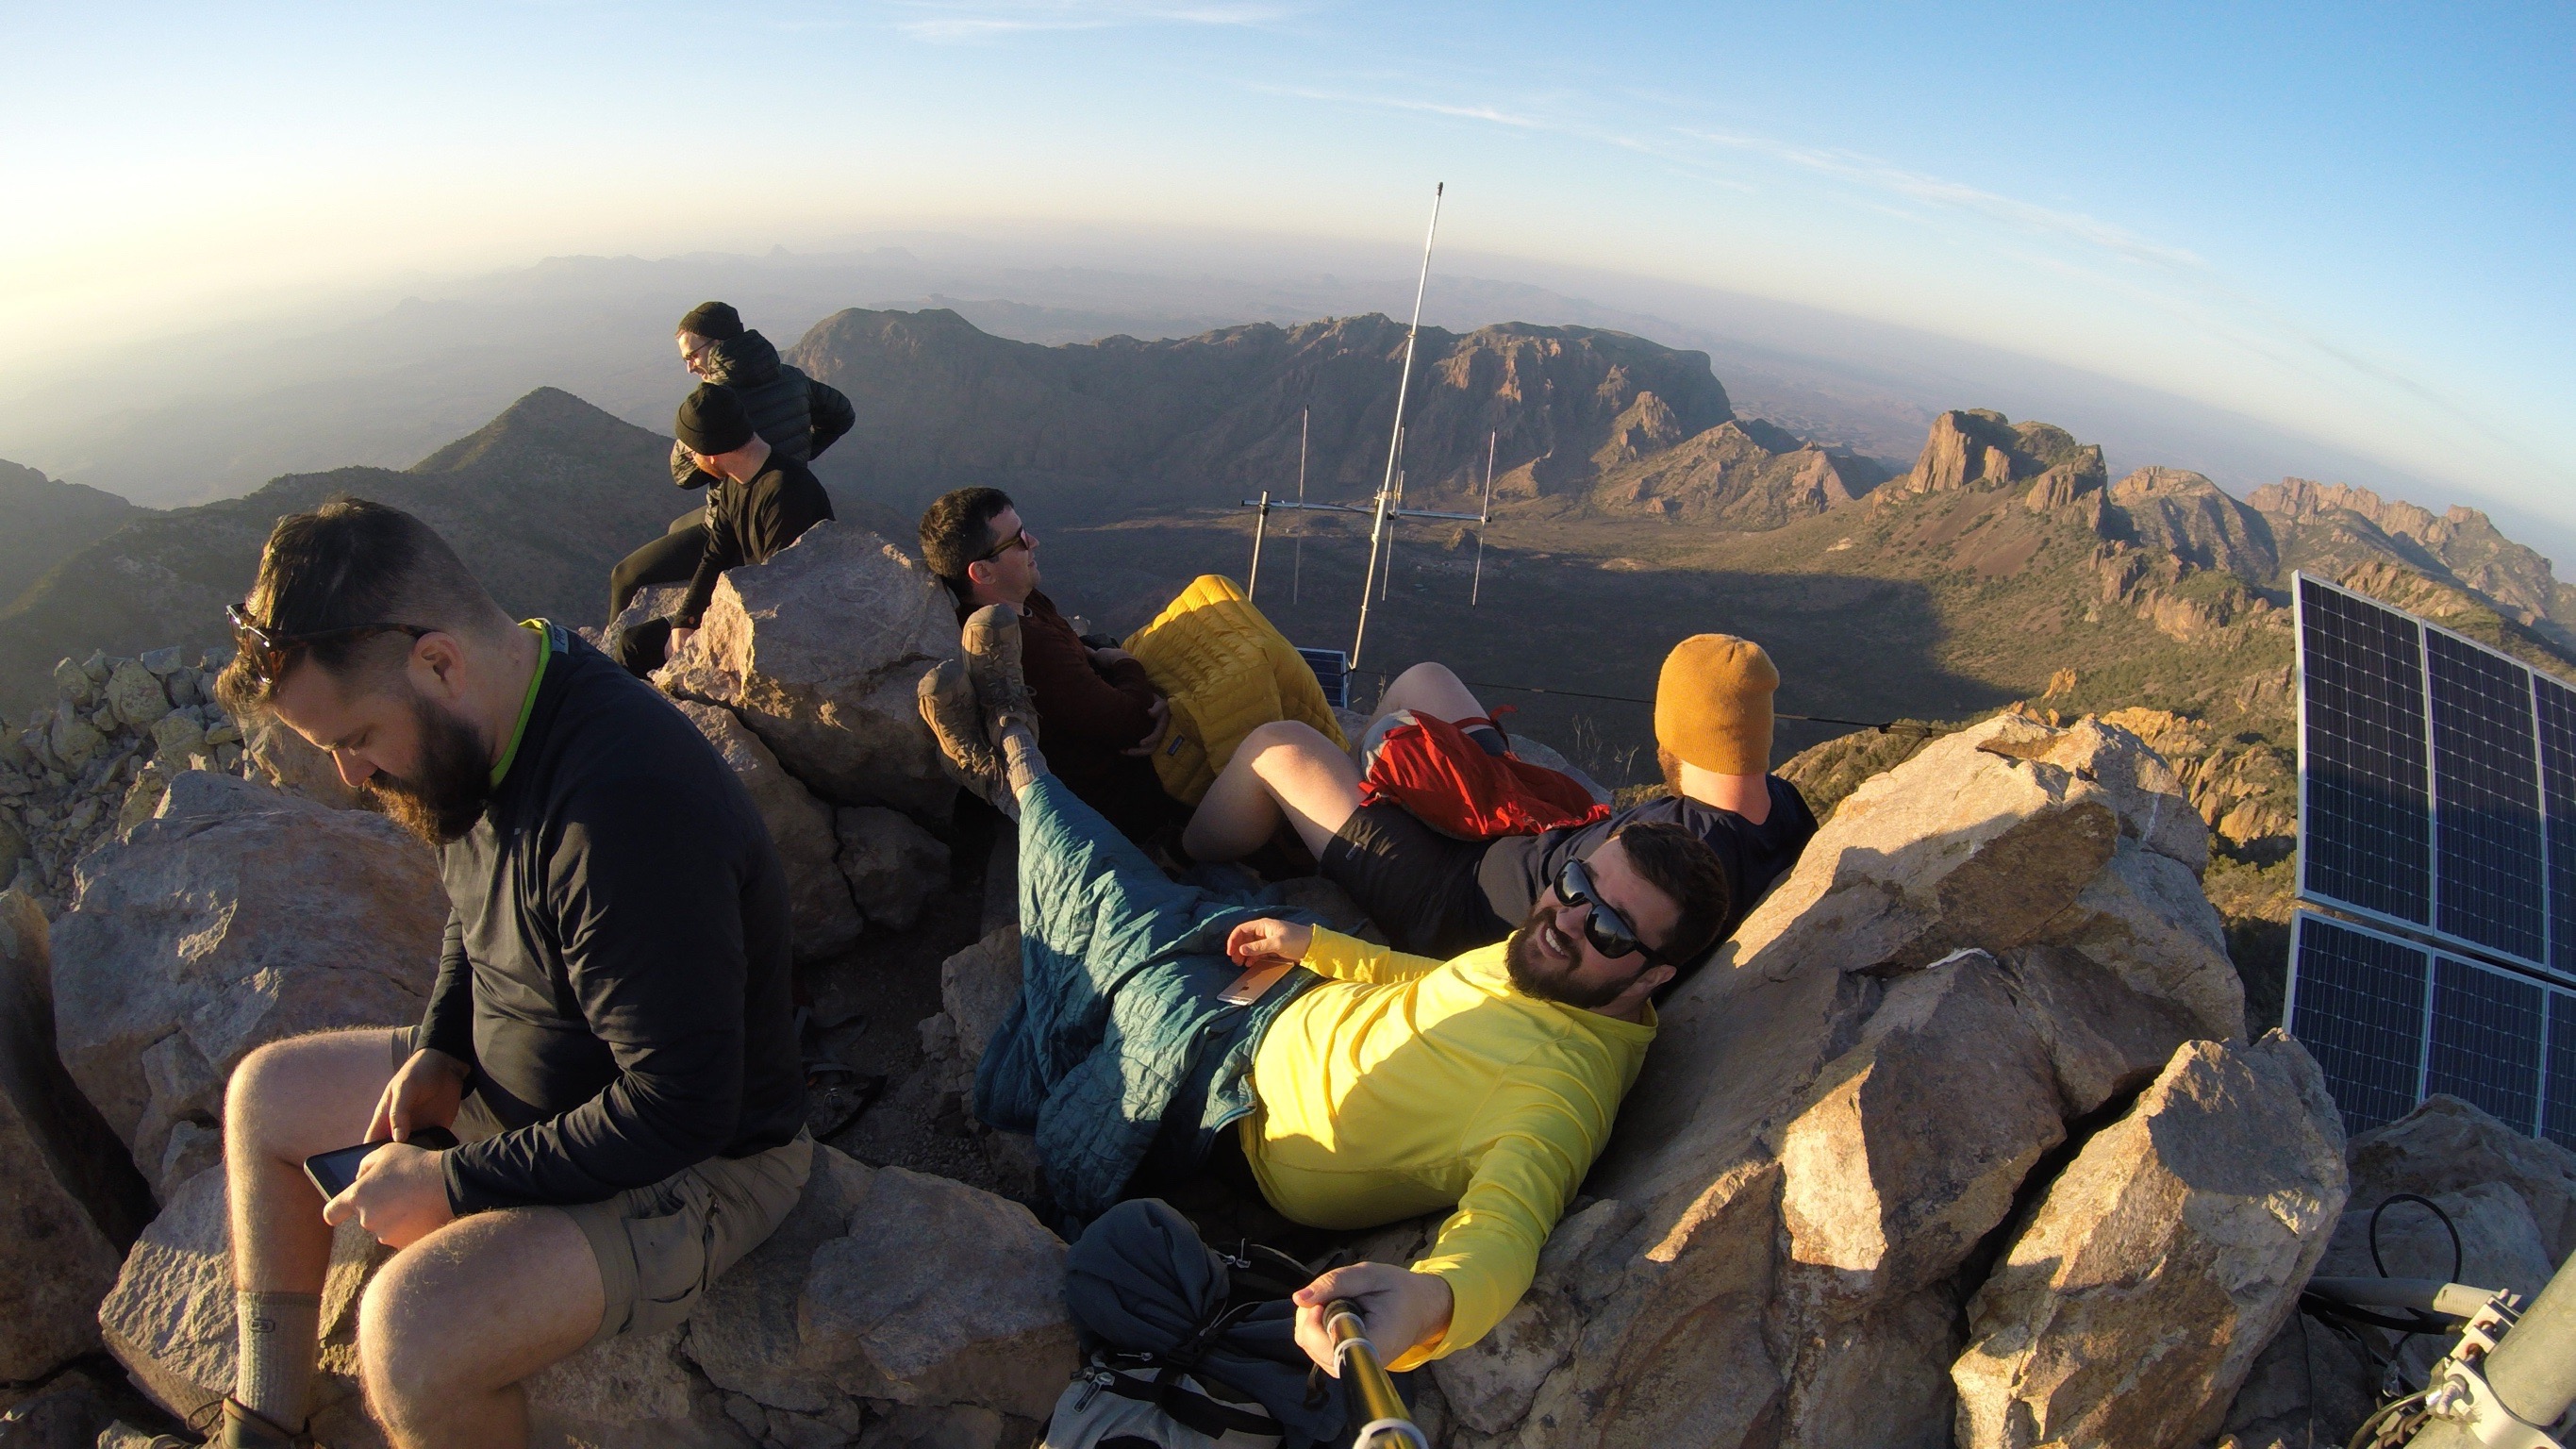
<point x="2310" y="1386"/>
<point x="289" y="762"/>
<point x="890" y="862"/>
<point x="135" y="693"/>
<point x="978" y="987"/>
<point x="73" y="740"/>
<point x="2162" y="1261"/>
<point x="1840" y="1117"/>
<point x="142" y="798"/>
<point x="940" y="1294"/>
<point x="73" y="686"/>
<point x="238" y="916"/>
<point x="162" y="662"/>
<point x="818" y="651"/>
<point x="1881" y="1198"/>
<point x="826" y="922"/>
<point x="13" y="847"/>
<point x="70" y="1201"/>
<point x="71" y="1411"/>
<point x="874" y="1269"/>
<point x="177" y="735"/>
<point x="2447" y="1146"/>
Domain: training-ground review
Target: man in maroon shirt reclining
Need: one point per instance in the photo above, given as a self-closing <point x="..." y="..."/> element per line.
<point x="1098" y="715"/>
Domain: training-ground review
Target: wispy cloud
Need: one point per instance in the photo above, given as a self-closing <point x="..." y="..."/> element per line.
<point x="966" y="21"/>
<point x="1868" y="171"/>
<point x="1405" y="103"/>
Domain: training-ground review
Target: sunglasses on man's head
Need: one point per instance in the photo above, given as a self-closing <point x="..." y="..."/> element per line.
<point x="1607" y="930"/>
<point x="265" y="651"/>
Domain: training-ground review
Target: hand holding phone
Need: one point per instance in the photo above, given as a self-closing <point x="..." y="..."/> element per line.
<point x="332" y="1172"/>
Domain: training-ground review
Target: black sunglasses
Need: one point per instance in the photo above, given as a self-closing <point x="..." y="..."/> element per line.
<point x="1020" y="539"/>
<point x="266" y="651"/>
<point x="1607" y="930"/>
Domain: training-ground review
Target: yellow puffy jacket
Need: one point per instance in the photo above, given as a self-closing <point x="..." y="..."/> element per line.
<point x="1227" y="672"/>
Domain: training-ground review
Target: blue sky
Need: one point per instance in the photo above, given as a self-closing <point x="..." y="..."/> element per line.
<point x="2350" y="220"/>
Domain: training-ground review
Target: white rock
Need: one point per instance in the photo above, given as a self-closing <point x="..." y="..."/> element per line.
<point x="826" y="920"/>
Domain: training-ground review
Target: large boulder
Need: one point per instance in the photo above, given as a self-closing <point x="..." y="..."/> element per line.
<point x="70" y="1201"/>
<point x="238" y="916"/>
<point x="826" y="920"/>
<point x="282" y="758"/>
<point x="888" y="1308"/>
<point x="1978" y="959"/>
<point x="891" y="863"/>
<point x="819" y="651"/>
<point x="2162" y="1261"/>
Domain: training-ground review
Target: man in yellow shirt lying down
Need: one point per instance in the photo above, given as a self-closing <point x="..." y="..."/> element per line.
<point x="1382" y="1086"/>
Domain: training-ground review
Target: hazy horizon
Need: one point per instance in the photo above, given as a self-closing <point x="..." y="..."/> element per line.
<point x="2323" y="241"/>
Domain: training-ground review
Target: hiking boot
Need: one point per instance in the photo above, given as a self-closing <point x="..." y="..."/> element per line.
<point x="991" y="640"/>
<point x="238" y="1428"/>
<point x="956" y="720"/>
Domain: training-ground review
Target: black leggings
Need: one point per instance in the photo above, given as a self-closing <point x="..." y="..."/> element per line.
<point x="670" y="559"/>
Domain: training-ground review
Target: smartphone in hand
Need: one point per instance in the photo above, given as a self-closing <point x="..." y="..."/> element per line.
<point x="333" y="1171"/>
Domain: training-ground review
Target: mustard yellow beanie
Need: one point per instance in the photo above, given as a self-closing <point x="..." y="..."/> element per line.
<point x="1713" y="704"/>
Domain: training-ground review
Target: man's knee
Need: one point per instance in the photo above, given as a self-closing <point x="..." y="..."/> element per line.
<point x="1297" y="738"/>
<point x="407" y="1352"/>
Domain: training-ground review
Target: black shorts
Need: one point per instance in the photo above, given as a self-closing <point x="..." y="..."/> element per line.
<point x="1419" y="885"/>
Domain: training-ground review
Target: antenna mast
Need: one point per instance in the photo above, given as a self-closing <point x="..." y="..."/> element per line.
<point x="1297" y="567"/>
<point x="1395" y="444"/>
<point x="1492" y="440"/>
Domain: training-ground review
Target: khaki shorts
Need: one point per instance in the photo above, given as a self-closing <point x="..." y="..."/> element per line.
<point x="659" y="1246"/>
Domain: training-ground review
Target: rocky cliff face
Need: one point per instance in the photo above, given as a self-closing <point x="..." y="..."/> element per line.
<point x="1978" y="447"/>
<point x="1215" y="417"/>
<point x="2330" y="528"/>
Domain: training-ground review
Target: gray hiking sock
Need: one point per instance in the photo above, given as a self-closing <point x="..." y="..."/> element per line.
<point x="280" y="1343"/>
<point x="1023" y="762"/>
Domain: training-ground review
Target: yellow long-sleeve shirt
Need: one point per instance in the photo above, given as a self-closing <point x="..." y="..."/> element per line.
<point x="1404" y="1084"/>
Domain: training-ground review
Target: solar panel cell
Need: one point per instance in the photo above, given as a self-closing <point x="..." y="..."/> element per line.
<point x="2486" y="1041"/>
<point x="2357" y="1004"/>
<point x="2365" y="819"/>
<point x="2558" y="1118"/>
<point x="2486" y="792"/>
<point x="2554" y="705"/>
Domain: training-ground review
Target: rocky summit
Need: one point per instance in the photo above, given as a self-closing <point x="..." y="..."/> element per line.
<point x="1975" y="1134"/>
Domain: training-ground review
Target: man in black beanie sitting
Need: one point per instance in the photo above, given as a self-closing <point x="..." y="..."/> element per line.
<point x="761" y="502"/>
<point x="797" y="415"/>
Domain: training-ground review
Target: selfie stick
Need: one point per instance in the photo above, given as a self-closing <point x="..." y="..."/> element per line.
<point x="1356" y="1359"/>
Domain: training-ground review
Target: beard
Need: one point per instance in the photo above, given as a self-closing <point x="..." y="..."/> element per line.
<point x="1535" y="976"/>
<point x="446" y="792"/>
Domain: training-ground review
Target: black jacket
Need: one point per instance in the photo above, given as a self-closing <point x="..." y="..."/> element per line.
<point x="747" y="522"/>
<point x="617" y="957"/>
<point x="799" y="416"/>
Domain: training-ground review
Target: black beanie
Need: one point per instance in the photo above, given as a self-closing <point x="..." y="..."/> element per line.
<point x="717" y="321"/>
<point x="712" y="421"/>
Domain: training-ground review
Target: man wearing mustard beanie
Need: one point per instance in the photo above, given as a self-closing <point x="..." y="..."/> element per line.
<point x="1437" y="895"/>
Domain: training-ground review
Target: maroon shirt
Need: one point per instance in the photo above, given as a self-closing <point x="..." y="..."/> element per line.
<point x="1088" y="717"/>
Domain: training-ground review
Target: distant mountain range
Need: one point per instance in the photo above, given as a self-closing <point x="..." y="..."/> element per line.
<point x="541" y="502"/>
<point x="43" y="522"/>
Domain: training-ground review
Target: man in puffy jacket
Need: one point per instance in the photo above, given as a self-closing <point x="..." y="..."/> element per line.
<point x="797" y="416"/>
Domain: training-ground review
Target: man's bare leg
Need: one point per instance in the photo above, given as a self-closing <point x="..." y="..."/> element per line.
<point x="1432" y="689"/>
<point x="1283" y="770"/>
<point x="285" y="1102"/>
<point x="452" y="1325"/>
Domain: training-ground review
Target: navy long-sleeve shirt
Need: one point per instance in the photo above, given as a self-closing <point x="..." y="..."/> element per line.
<point x="616" y="968"/>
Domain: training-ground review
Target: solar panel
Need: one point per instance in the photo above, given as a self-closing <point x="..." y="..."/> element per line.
<point x="1332" y="671"/>
<point x="2390" y="1022"/>
<point x="2437" y="783"/>
<point x="2486" y="1040"/>
<point x="2357" y="1004"/>
<point x="2554" y="704"/>
<point x="2365" y="812"/>
<point x="2486" y="794"/>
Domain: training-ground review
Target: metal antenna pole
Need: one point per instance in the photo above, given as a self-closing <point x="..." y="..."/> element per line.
<point x="1386" y="575"/>
<point x="1260" y="526"/>
<point x="1395" y="444"/>
<point x="1492" y="440"/>
<point x="1297" y="565"/>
